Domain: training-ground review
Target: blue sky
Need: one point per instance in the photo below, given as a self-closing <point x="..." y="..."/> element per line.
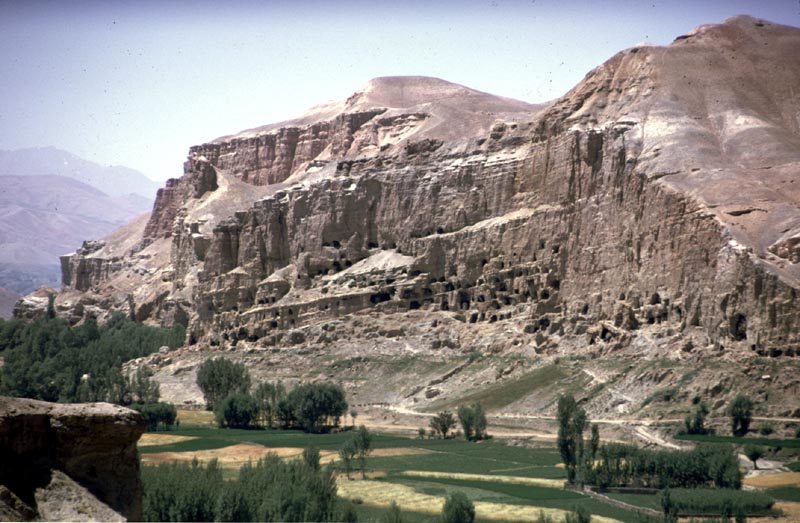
<point x="137" y="83"/>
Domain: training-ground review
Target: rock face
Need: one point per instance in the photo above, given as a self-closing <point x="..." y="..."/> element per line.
<point x="53" y="453"/>
<point x="662" y="191"/>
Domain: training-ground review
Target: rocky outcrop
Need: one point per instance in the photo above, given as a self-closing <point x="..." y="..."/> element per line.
<point x="52" y="454"/>
<point x="660" y="192"/>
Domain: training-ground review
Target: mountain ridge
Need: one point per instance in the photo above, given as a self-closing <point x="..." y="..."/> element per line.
<point x="623" y="224"/>
<point x="114" y="180"/>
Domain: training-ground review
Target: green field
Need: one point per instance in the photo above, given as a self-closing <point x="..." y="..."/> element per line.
<point x="482" y="460"/>
<point x="487" y="458"/>
<point x="767" y="442"/>
<point x="496" y="396"/>
<point x="785" y="493"/>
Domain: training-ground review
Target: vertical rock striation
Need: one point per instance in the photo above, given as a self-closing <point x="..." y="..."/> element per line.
<point x="661" y="189"/>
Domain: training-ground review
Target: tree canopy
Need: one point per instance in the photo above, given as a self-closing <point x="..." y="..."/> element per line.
<point x="219" y="378"/>
<point x="49" y="360"/>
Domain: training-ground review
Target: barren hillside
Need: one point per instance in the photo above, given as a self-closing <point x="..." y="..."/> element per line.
<point x="425" y="243"/>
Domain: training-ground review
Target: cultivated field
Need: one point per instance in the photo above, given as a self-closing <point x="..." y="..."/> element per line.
<point x="506" y="482"/>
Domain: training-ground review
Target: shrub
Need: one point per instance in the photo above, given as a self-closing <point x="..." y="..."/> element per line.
<point x="766" y="429"/>
<point x="458" y="509"/>
<point x="393" y="515"/>
<point x="579" y="515"/>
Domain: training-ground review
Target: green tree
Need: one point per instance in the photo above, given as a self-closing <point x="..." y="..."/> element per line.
<point x="219" y="378"/>
<point x="443" y="422"/>
<point x="143" y="389"/>
<point x="754" y="453"/>
<point x="695" y="423"/>
<point x="311" y="457"/>
<point x="458" y="509"/>
<point x="362" y="441"/>
<point x="237" y="411"/>
<point x="347" y="453"/>
<point x="571" y="424"/>
<point x="741" y="412"/>
<point x="473" y="421"/>
<point x="594" y="442"/>
<point x="313" y="407"/>
<point x="268" y="395"/>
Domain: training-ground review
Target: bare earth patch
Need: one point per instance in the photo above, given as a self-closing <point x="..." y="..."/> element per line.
<point x="202" y="418"/>
<point x="516" y="480"/>
<point x="228" y="457"/>
<point x="381" y="494"/>
<point x="232" y="457"/>
<point x="152" y="440"/>
<point x="781" y="479"/>
<point x="791" y="514"/>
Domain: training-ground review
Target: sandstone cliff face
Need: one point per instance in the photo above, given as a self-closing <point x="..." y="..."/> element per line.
<point x="47" y="448"/>
<point x="661" y="191"/>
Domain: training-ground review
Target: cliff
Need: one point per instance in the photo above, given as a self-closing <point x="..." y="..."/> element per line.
<point x="69" y="462"/>
<point x="656" y="200"/>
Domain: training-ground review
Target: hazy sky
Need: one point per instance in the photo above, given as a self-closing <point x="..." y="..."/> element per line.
<point x="136" y="83"/>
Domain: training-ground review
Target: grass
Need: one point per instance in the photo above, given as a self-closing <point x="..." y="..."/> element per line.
<point x="214" y="438"/>
<point x="794" y="466"/>
<point x="652" y="501"/>
<point x="785" y="493"/>
<point x="499" y="395"/>
<point x="767" y="442"/>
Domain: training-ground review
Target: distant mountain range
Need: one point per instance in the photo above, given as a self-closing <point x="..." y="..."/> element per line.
<point x="113" y="180"/>
<point x="50" y="201"/>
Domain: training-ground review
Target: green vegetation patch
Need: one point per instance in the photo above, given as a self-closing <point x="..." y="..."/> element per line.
<point x="767" y="442"/>
<point x="652" y="501"/>
<point x="696" y="502"/>
<point x="214" y="438"/>
<point x="488" y="457"/>
<point x="499" y="395"/>
<point x="794" y="466"/>
<point x="49" y="360"/>
<point x="784" y="493"/>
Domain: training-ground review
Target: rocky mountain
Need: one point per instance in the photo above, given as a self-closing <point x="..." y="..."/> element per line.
<point x="423" y="242"/>
<point x="44" y="217"/>
<point x="114" y="180"/>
